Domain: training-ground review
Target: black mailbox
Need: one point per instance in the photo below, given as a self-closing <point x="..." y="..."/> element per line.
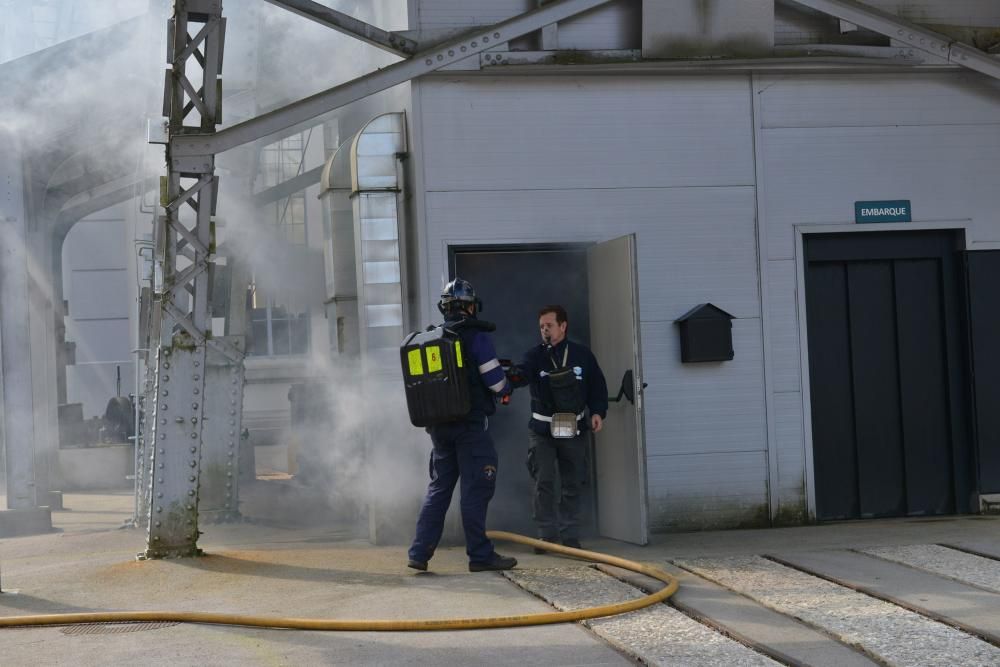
<point x="706" y="334"/>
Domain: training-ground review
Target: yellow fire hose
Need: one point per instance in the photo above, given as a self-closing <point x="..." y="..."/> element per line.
<point x="384" y="625"/>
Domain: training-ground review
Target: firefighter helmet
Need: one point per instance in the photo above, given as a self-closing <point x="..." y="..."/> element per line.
<point x="456" y="295"/>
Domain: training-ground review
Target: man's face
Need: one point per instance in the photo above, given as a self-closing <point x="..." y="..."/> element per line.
<point x="552" y="331"/>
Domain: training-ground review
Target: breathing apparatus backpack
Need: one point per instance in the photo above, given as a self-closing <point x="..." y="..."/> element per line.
<point x="434" y="375"/>
<point x="435" y="372"/>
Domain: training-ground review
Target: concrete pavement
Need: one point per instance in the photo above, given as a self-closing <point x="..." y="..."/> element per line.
<point x="719" y="617"/>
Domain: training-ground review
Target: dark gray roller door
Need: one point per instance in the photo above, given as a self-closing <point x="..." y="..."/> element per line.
<point x="887" y="375"/>
<point x="984" y="310"/>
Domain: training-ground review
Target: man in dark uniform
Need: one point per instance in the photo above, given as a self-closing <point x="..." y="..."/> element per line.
<point x="463" y="449"/>
<point x="569" y="396"/>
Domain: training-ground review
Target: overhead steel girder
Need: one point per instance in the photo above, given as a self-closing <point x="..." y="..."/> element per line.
<point x="288" y="188"/>
<point x="903" y="31"/>
<point x="445" y="54"/>
<point x="341" y="22"/>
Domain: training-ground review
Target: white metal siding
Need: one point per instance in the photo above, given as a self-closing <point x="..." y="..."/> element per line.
<point x="783" y="326"/>
<point x="433" y="14"/>
<point x="853" y="100"/>
<point x="99" y="294"/>
<point x="518" y="160"/>
<point x="682" y="493"/>
<point x="682" y="28"/>
<point x="974" y="13"/>
<point x="826" y="141"/>
<point x="545" y="159"/>
<point x="801" y="26"/>
<point x="706" y="407"/>
<point x="790" y="445"/>
<point x="96" y="282"/>
<point x="616" y="25"/>
<point x="99" y="340"/>
<point x="660" y="217"/>
<point x="814" y="176"/>
<point x="586" y="132"/>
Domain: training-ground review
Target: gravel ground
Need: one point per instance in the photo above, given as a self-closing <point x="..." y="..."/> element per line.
<point x="893" y="634"/>
<point x="657" y="635"/>
<point x="950" y="563"/>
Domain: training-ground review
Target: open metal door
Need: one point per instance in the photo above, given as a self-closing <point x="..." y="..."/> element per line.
<point x="620" y="447"/>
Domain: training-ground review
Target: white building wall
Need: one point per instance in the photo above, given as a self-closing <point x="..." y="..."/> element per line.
<point x="616" y="25"/>
<point x="826" y="141"/>
<point x="544" y="159"/>
<point x="97" y="283"/>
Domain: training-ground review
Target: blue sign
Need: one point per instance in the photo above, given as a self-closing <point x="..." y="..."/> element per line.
<point x="897" y="210"/>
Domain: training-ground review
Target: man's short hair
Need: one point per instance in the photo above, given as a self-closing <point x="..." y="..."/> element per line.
<point x="557" y="310"/>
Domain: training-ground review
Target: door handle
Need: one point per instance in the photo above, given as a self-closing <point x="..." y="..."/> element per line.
<point x="627" y="388"/>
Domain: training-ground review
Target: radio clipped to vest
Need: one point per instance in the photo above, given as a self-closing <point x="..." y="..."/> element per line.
<point x="435" y="378"/>
<point x="568" y="402"/>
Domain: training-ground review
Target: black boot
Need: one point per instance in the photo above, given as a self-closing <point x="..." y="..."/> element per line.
<point x="540" y="550"/>
<point x="496" y="562"/>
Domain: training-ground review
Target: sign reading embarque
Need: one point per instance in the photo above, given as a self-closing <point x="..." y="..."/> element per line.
<point x="896" y="210"/>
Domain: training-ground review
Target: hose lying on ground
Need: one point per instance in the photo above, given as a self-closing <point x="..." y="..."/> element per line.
<point x="383" y="625"/>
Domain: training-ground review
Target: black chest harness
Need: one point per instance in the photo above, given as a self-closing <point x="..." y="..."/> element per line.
<point x="568" y="401"/>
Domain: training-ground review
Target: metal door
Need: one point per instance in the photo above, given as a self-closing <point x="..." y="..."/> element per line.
<point x="620" y="448"/>
<point x="514" y="281"/>
<point x="984" y="316"/>
<point x="886" y="369"/>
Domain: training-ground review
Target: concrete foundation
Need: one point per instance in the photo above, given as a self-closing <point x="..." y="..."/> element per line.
<point x="91" y="468"/>
<point x="14" y="523"/>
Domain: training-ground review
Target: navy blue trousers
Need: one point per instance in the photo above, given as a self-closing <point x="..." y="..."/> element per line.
<point x="462" y="450"/>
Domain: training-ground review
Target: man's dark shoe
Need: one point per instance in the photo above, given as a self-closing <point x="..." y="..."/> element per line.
<point x="497" y="562"/>
<point x="539" y="550"/>
<point x="417" y="565"/>
<point x="572" y="543"/>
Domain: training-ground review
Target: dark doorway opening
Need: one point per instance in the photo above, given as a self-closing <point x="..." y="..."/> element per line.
<point x="514" y="281"/>
<point x="888" y="374"/>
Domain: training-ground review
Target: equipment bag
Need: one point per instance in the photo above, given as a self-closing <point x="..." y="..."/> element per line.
<point x="435" y="377"/>
<point x="567" y="391"/>
<point x="568" y="401"/>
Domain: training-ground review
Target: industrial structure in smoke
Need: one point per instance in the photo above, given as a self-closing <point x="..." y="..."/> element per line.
<point x="774" y="221"/>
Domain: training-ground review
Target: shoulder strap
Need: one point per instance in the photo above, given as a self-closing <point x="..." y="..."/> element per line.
<point x="556" y="366"/>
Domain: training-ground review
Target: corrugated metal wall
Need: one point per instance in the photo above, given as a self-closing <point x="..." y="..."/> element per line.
<point x="589" y="159"/>
<point x="96" y="280"/>
<point x="826" y="141"/>
<point x="690" y="164"/>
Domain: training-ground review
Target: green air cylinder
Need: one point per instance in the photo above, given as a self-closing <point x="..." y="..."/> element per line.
<point x="434" y="374"/>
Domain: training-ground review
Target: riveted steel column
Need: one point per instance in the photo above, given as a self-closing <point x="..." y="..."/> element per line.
<point x="176" y="449"/>
<point x="149" y="339"/>
<point x="221" y="436"/>
<point x="180" y="463"/>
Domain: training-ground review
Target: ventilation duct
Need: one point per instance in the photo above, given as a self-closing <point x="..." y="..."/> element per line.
<point x="361" y="190"/>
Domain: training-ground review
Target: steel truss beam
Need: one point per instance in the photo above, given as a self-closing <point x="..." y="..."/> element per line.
<point x="341" y="22"/>
<point x="425" y="62"/>
<point x="194" y="402"/>
<point x="184" y="460"/>
<point x="903" y="31"/>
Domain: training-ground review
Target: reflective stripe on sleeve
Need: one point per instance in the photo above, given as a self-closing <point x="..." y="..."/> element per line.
<point x="488" y="366"/>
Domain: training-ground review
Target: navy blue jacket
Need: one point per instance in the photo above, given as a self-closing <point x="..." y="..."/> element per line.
<point x="486" y="376"/>
<point x="535" y="367"/>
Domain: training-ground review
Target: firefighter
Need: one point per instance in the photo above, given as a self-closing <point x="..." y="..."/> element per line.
<point x="569" y="396"/>
<point x="463" y="449"/>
